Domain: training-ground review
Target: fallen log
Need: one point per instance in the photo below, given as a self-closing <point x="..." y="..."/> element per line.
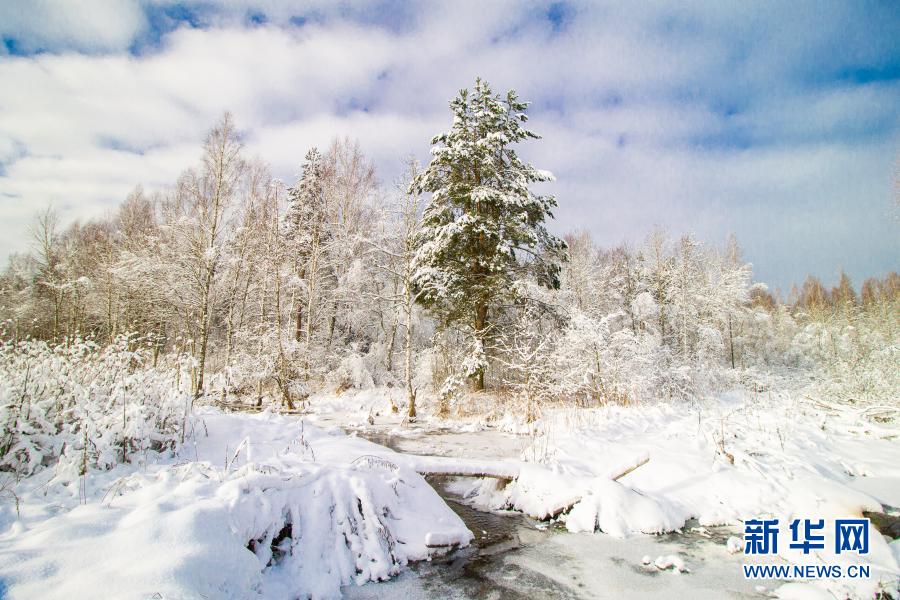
<point x="505" y="473"/>
<point x="623" y="470"/>
<point x="558" y="509"/>
<point x="439" y="466"/>
<point x="504" y="479"/>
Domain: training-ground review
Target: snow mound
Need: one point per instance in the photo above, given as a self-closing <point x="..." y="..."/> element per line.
<point x="619" y="511"/>
<point x="586" y="504"/>
<point x="541" y="493"/>
<point x="335" y="526"/>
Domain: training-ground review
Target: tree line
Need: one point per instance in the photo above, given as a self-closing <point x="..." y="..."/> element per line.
<point x="445" y="281"/>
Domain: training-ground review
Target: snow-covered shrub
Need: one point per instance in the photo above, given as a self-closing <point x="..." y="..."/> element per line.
<point x="91" y="406"/>
<point x="859" y="365"/>
<point x="602" y="361"/>
<point x="353" y="372"/>
<point x="314" y="528"/>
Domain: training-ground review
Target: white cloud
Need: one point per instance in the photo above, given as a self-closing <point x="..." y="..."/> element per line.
<point x="698" y="119"/>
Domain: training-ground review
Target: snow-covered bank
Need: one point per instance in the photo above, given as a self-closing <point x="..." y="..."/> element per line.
<point x="332" y="509"/>
<point x="721" y="462"/>
<point x="718" y="460"/>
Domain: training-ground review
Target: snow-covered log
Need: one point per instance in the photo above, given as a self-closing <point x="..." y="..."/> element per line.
<point x="439" y="466"/>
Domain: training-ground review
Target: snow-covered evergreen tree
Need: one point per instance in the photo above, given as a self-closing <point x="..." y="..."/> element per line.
<point x="484" y="227"/>
<point x="307" y="237"/>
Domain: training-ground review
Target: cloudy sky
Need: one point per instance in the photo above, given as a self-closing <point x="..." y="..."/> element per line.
<point x="779" y="122"/>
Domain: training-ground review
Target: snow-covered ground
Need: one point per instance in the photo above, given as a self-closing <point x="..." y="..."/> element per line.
<point x="277" y="506"/>
<point x="205" y="523"/>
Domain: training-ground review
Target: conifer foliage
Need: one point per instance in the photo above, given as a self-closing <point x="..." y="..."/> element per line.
<point x="483" y="228"/>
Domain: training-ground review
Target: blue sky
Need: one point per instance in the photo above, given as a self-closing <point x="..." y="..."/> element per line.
<point x="779" y="122"/>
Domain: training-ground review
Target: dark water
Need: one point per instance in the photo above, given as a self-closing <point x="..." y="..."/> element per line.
<point x="481" y="570"/>
<point x="887" y="523"/>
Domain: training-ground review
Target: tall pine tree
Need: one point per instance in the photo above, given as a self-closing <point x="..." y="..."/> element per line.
<point x="483" y="228"/>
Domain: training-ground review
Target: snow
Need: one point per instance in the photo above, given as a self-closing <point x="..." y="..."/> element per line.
<point x="619" y="511"/>
<point x="790" y="461"/>
<point x="790" y="458"/>
<point x="720" y="462"/>
<point x="211" y="520"/>
<point x="784" y="463"/>
<point x="671" y="561"/>
<point x="539" y="492"/>
<point x="202" y="524"/>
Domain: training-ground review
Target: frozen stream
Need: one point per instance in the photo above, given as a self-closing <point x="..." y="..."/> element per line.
<point x="515" y="557"/>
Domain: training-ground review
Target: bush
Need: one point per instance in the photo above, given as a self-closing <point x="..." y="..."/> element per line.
<point x="91" y="406"/>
